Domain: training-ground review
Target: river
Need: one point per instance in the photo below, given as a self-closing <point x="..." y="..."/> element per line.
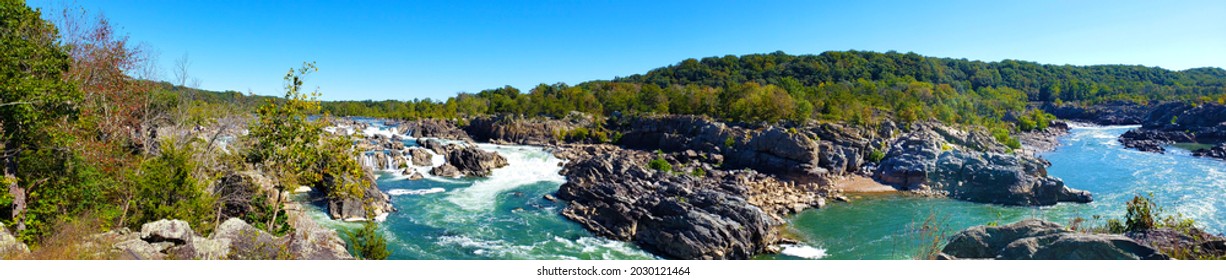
<point x="505" y="217"/>
<point x="891" y="226"/>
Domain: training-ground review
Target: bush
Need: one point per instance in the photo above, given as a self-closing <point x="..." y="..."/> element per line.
<point x="660" y="164"/>
<point x="698" y="172"/>
<point x="1141" y="214"/>
<point x="166" y="189"/>
<point x="876" y="155"/>
<point x="367" y="243"/>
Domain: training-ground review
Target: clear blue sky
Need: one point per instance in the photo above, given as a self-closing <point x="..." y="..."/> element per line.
<point x="415" y="49"/>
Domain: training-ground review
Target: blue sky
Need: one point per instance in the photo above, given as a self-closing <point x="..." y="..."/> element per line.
<point x="414" y="49"/>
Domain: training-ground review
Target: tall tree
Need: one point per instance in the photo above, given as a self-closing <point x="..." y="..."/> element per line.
<point x="33" y="93"/>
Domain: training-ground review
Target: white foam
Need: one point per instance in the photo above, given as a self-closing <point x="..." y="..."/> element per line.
<point x="802" y="251"/>
<point x="415" y="192"/>
<point x="526" y="165"/>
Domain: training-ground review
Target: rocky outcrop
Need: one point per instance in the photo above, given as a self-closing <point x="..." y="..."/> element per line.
<point x="475" y="162"/>
<point x="524" y="131"/>
<point x="1152" y="140"/>
<point x="1043" y="140"/>
<point x="466" y="159"/>
<point x="1042" y="240"/>
<point x="356" y="208"/>
<point x="844" y="149"/>
<point x="1107" y="113"/>
<point x="233" y="239"/>
<point x="722" y="215"/>
<point x="926" y="160"/>
<point x="1218" y="152"/>
<point x="1179" y="122"/>
<point x="783" y="152"/>
<point x="432" y="128"/>
<point x="9" y="245"/>
<point x="446" y="170"/>
<point x="420" y="157"/>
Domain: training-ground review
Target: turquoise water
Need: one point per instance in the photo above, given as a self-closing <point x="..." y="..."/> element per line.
<point x="500" y="217"/>
<point x="889" y="226"/>
<point x="503" y="216"/>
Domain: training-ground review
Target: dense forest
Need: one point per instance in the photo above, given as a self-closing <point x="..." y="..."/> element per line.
<point x="857" y="87"/>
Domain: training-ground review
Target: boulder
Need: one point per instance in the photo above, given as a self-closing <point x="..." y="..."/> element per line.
<point x="446" y="170"/>
<point x="1036" y="239"/>
<point x="243" y="241"/>
<point x="473" y="161"/>
<point x="136" y="249"/>
<point x="174" y="231"/>
<point x="1077" y="246"/>
<point x="202" y="249"/>
<point x="523" y="131"/>
<point x="9" y="245"/>
<point x="420" y="157"/>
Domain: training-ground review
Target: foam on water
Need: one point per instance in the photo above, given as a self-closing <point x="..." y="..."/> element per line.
<point x="803" y="251"/>
<point x="415" y="192"/>
<point x="527" y="165"/>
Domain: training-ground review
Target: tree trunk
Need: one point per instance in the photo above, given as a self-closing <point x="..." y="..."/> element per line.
<point x="18" y="193"/>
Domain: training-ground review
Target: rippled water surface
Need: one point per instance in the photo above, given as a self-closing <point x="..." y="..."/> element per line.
<point x="891" y="226"/>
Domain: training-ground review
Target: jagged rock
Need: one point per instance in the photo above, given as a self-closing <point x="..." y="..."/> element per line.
<point x="725" y="215"/>
<point x="1150" y="140"/>
<point x="923" y="160"/>
<point x="420" y="157"/>
<point x="244" y="241"/>
<point x="1044" y="140"/>
<point x="1218" y="152"/>
<point x="1179" y="122"/>
<point x="473" y="161"/>
<point x="1037" y="239"/>
<point x="174" y="231"/>
<point x="433" y="129"/>
<point x="446" y="170"/>
<point x="9" y="245"/>
<point x="467" y="159"/>
<point x="523" y="131"/>
<point x="771" y="150"/>
<point x="1106" y="113"/>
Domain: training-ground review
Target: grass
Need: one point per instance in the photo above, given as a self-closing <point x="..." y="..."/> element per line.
<point x="73" y="240"/>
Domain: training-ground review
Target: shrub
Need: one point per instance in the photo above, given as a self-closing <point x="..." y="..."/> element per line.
<point x="166" y="189"/>
<point x="876" y="155"/>
<point x="1141" y="214"/>
<point x="367" y="243"/>
<point x="660" y="164"/>
<point x="698" y="172"/>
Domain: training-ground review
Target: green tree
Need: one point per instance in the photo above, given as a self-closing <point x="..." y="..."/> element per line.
<point x="367" y="243"/>
<point x="33" y="95"/>
<point x="285" y="139"/>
